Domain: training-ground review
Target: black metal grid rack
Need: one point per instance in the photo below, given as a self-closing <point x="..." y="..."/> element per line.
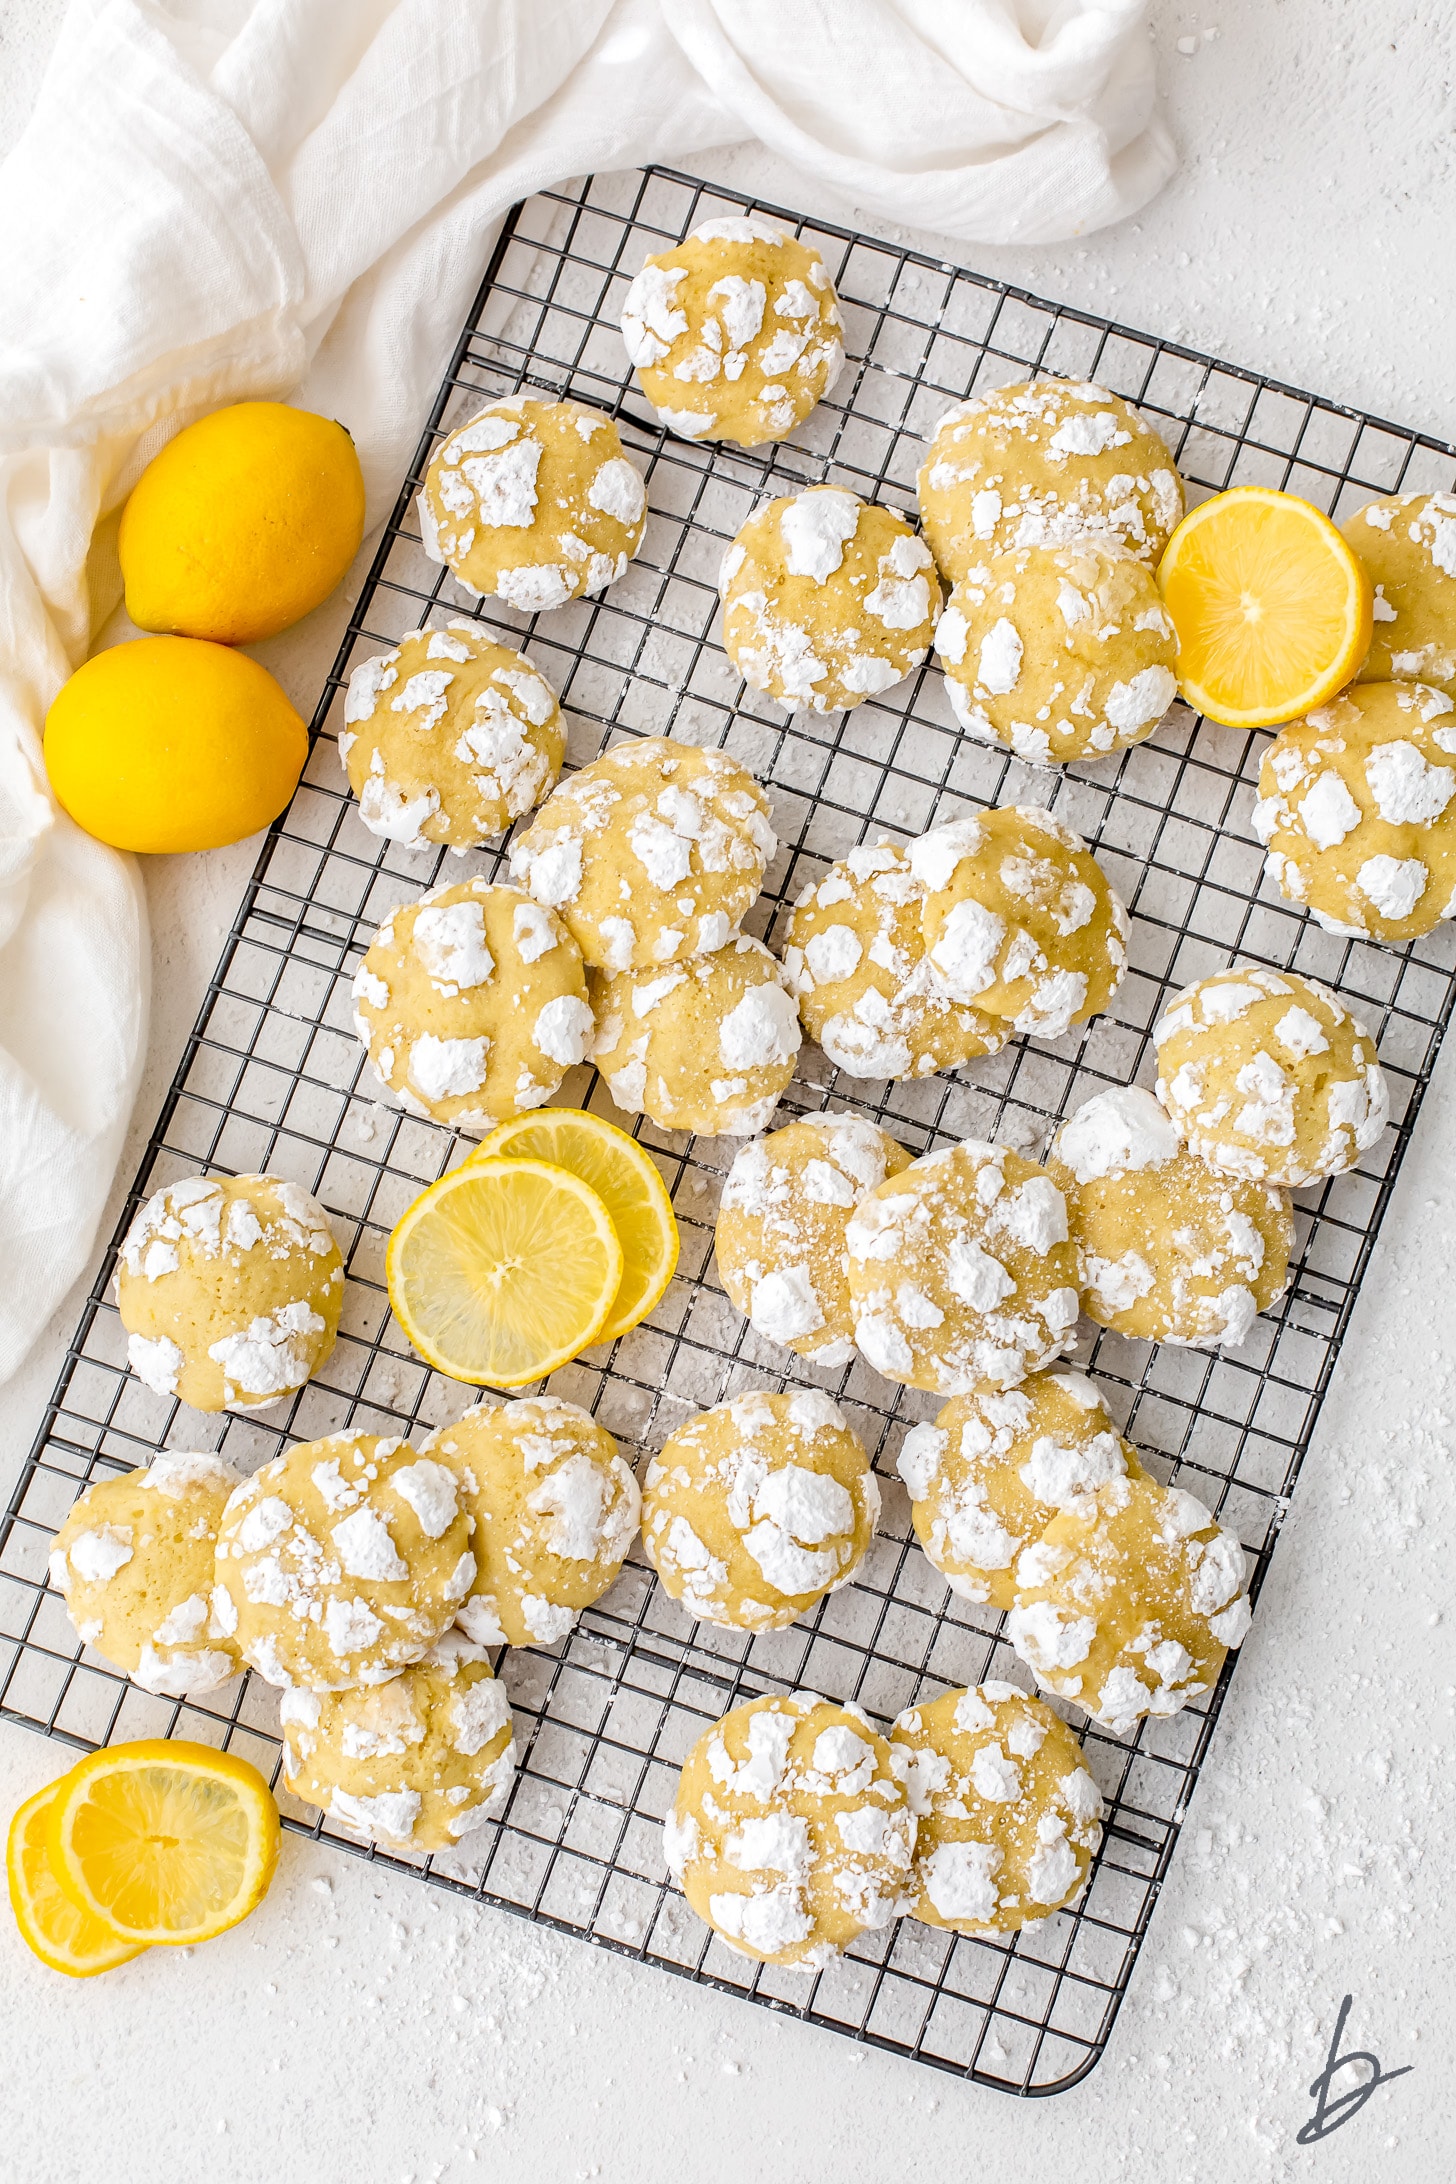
<point x="273" y="1078"/>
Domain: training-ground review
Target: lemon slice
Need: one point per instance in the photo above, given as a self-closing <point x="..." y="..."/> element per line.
<point x="69" y="1940"/>
<point x="164" y="1841"/>
<point x="499" y="1273"/>
<point x="1272" y="608"/>
<point x="625" y="1178"/>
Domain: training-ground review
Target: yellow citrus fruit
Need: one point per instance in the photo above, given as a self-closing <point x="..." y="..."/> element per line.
<point x="67" y="1939"/>
<point x="164" y="1841"/>
<point x="500" y="1273"/>
<point x="625" y="1178"/>
<point x="170" y="743"/>
<point x="1273" y="610"/>
<point x="242" y="525"/>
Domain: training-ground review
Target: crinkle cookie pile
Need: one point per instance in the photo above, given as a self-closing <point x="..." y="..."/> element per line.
<point x="365" y="1579"/>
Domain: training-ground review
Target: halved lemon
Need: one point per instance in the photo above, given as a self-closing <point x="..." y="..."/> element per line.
<point x="1273" y="611"/>
<point x="69" y="1940"/>
<point x="624" y="1176"/>
<point x="164" y="1841"/>
<point x="501" y="1272"/>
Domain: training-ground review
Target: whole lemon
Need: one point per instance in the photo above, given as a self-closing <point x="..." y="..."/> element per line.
<point x="171" y="743"/>
<point x="243" y="524"/>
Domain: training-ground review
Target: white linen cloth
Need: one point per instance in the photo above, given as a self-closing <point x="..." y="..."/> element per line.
<point x="224" y="199"/>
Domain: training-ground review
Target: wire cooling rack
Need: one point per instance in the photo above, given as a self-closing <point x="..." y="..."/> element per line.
<point x="273" y="1078"/>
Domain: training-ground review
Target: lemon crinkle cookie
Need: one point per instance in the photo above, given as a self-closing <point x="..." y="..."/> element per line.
<point x="1355" y="810"/>
<point x="342" y="1561"/>
<point x="1008" y="1817"/>
<point x="706" y="1045"/>
<point x="555" y="1510"/>
<point x="960" y="1271"/>
<point x="790" y="1834"/>
<point x="781" y="1222"/>
<point x="449" y="737"/>
<point x="827" y="600"/>
<point x="735" y="332"/>
<point x="472" y="1004"/>
<point x="1059" y="652"/>
<point x="758" y="1508"/>
<point x="988" y="1476"/>
<point x="650" y="854"/>
<point x="1044" y="463"/>
<point x="230" y="1289"/>
<point x="134" y="1562"/>
<point x="1408" y="543"/>
<point x="1129" y="1602"/>
<point x="533" y="502"/>
<point x="416" y="1762"/>
<point x="1266" y="1075"/>
<point x="855" y="960"/>
<point x="1171" y="1249"/>
<point x="1019" y="918"/>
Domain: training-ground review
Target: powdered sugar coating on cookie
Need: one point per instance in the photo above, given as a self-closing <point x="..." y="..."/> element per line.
<point x="1059" y="652"/>
<point x="1008" y="1816"/>
<point x="414" y="1763"/>
<point x="449" y="737"/>
<point x="472" y="1004"/>
<point x="230" y="1289"/>
<point x="989" y="1475"/>
<point x="961" y="1271"/>
<point x="827" y="600"/>
<point x="780" y="1239"/>
<point x="650" y="854"/>
<point x="1020" y="919"/>
<point x="1357" y="810"/>
<point x="754" y="1510"/>
<point x="855" y="960"/>
<point x="344" y="1560"/>
<point x="734" y="332"/>
<point x="1170" y="1248"/>
<point x="1267" y="1075"/>
<point x="1045" y="462"/>
<point x="555" y="1510"/>
<point x="708" y="1045"/>
<point x="790" y="1834"/>
<point x="1407" y="541"/>
<point x="1129" y="1602"/>
<point x="533" y="502"/>
<point x="133" y="1560"/>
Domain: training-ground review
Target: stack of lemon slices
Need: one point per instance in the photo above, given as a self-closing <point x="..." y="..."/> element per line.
<point x="555" y="1234"/>
<point x="154" y="1843"/>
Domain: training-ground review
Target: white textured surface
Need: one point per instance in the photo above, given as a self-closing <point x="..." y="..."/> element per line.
<point x="360" y="2027"/>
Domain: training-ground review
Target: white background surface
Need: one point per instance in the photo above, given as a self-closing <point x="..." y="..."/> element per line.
<point x="358" y="2027"/>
